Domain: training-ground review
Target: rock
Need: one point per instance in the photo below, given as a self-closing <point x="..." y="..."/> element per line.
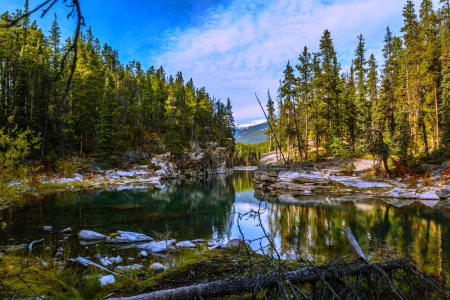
<point x="313" y="177"/>
<point x="430" y="195"/>
<point x="16" y="248"/>
<point x="185" y="244"/>
<point x="128" y="269"/>
<point x="236" y="244"/>
<point x="98" y="256"/>
<point x="157" y="267"/>
<point x="369" y="192"/>
<point x="58" y="254"/>
<point x="104" y="280"/>
<point x="157" y="246"/>
<point x="116" y="260"/>
<point x="129" y="237"/>
<point x="143" y="254"/>
<point x="125" y="174"/>
<point x="89" y="235"/>
<point x="196" y="241"/>
<point x="44" y="265"/>
<point x="48" y="228"/>
<point x="77" y="176"/>
<point x="105" y="262"/>
<point x="444" y="193"/>
<point x="211" y="244"/>
<point x="67" y="230"/>
<point x="400" y="193"/>
<point x="358" y="182"/>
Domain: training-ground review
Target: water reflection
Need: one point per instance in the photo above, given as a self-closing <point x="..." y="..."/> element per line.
<point x="303" y="228"/>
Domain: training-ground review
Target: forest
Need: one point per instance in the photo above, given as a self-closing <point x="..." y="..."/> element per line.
<point x="110" y="107"/>
<point x="321" y="109"/>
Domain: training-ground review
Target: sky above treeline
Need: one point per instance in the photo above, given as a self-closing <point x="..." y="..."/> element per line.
<point x="234" y="48"/>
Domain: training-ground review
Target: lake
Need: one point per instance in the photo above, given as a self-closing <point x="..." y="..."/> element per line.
<point x="309" y="229"/>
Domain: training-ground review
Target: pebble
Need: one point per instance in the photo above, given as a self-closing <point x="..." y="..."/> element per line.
<point x="48" y="228"/>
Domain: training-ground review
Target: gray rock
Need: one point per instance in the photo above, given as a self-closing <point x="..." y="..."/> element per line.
<point x="48" y="228"/>
<point x="116" y="260"/>
<point x="400" y="193"/>
<point x="444" y="193"/>
<point x="313" y="177"/>
<point x="105" y="262"/>
<point x="128" y="269"/>
<point x="236" y="244"/>
<point x="211" y="244"/>
<point x="125" y="174"/>
<point x="186" y="244"/>
<point x="196" y="241"/>
<point x="77" y="176"/>
<point x="58" y="254"/>
<point x="104" y="280"/>
<point x="430" y="195"/>
<point x="358" y="182"/>
<point x="157" y="246"/>
<point x="157" y="267"/>
<point x="67" y="230"/>
<point x="129" y="237"/>
<point x="143" y="254"/>
<point x="89" y="235"/>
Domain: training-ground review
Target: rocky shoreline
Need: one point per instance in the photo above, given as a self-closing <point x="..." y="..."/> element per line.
<point x="273" y="180"/>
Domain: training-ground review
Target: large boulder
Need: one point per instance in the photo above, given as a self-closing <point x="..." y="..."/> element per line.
<point x="430" y="195"/>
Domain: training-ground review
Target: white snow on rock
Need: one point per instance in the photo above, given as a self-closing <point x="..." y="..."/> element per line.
<point x="157" y="246"/>
<point x="186" y="244"/>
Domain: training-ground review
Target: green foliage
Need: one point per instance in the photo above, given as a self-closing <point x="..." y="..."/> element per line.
<point x="66" y="167"/>
<point x="249" y="154"/>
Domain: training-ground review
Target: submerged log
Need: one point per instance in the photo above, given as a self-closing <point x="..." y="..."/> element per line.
<point x="267" y="281"/>
<point x="354" y="244"/>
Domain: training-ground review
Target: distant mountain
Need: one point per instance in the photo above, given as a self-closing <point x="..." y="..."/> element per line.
<point x="251" y="132"/>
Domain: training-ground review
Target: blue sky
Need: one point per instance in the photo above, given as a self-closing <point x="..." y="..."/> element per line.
<point x="235" y="48"/>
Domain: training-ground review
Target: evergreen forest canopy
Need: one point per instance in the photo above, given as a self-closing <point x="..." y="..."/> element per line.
<point x="110" y="107"/>
<point x="406" y="97"/>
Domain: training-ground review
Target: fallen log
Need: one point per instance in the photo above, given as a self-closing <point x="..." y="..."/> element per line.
<point x="84" y="262"/>
<point x="267" y="281"/>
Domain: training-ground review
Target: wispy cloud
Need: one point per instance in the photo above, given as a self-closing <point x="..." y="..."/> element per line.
<point x="243" y="48"/>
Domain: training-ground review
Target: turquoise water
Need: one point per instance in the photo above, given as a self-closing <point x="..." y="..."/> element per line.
<point x="309" y="229"/>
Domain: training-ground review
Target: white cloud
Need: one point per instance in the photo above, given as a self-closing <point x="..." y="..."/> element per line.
<point x="243" y="48"/>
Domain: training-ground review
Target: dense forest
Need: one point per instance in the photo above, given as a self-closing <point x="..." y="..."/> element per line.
<point x="406" y="97"/>
<point x="110" y="107"/>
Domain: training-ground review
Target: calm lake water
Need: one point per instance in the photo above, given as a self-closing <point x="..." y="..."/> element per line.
<point x="310" y="229"/>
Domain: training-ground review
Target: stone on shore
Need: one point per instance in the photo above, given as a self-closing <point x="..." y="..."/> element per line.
<point x="157" y="267"/>
<point x="104" y="280"/>
<point x="401" y="194"/>
<point x="129" y="237"/>
<point x="185" y="244"/>
<point x="157" y="247"/>
<point x="430" y="195"/>
<point x="89" y="235"/>
<point x="444" y="193"/>
<point x="313" y="177"/>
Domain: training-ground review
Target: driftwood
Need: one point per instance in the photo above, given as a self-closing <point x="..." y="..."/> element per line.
<point x="354" y="244"/>
<point x="33" y="243"/>
<point x="84" y="262"/>
<point x="267" y="281"/>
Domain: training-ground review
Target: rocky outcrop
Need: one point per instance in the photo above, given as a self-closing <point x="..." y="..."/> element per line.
<point x="212" y="161"/>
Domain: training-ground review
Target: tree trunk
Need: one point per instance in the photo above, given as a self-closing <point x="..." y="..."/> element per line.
<point x="265" y="281"/>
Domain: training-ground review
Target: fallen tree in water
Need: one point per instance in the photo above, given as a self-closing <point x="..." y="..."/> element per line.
<point x="398" y="279"/>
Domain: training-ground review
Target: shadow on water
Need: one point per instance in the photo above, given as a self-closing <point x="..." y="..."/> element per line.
<point x="309" y="229"/>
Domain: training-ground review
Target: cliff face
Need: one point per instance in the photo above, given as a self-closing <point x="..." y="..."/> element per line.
<point x="200" y="162"/>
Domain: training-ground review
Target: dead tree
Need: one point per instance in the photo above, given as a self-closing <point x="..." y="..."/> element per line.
<point x="378" y="148"/>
